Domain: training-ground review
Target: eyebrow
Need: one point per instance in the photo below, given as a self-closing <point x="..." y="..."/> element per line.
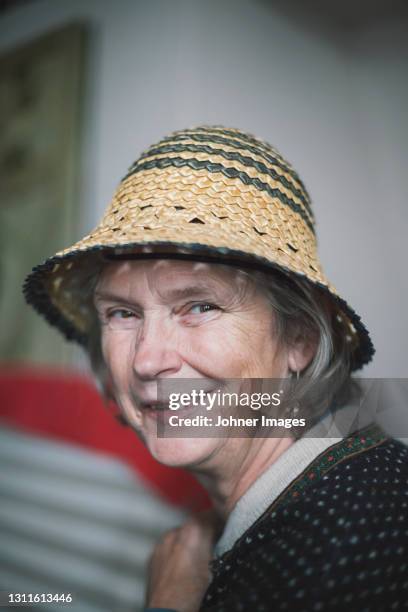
<point x="189" y="292"/>
<point x="192" y="291"/>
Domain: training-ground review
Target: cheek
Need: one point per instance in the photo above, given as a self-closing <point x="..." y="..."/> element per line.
<point x="231" y="348"/>
<point x="245" y="347"/>
<point x="116" y="350"/>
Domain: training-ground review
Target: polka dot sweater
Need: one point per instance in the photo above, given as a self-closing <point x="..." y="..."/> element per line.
<point x="335" y="539"/>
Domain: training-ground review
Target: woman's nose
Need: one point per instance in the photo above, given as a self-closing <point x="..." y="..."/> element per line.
<point x="156" y="352"/>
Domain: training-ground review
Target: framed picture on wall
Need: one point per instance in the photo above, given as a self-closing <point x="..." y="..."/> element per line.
<point x="41" y="85"/>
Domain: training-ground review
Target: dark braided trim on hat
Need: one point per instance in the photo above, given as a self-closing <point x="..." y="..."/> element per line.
<point x="195" y="164"/>
<point x="37" y="296"/>
<point x="260" y="145"/>
<point x="228" y="155"/>
<point x="242" y="136"/>
<point x="203" y="136"/>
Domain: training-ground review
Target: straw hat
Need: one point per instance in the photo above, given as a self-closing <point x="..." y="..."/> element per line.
<point x="211" y="193"/>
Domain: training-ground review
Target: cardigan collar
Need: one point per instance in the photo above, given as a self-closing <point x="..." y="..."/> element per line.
<point x="267" y="488"/>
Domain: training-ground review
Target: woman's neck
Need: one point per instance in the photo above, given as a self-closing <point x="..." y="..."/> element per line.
<point x="231" y="474"/>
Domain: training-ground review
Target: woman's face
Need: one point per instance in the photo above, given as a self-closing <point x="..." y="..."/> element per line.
<point x="181" y="320"/>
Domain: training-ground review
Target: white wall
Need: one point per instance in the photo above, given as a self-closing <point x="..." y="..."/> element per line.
<point x="378" y="65"/>
<point x="336" y="111"/>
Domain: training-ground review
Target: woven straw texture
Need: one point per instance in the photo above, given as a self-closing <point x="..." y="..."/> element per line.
<point x="207" y="191"/>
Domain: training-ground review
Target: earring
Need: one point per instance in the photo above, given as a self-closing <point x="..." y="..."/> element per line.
<point x="296" y="406"/>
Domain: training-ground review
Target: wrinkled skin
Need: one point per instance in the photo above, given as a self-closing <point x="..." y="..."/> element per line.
<point x="174" y="319"/>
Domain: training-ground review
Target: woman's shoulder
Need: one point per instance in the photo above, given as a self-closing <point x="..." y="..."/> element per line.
<point x="360" y="484"/>
<point x="368" y="462"/>
<point x="338" y="530"/>
<point x="377" y="472"/>
<point x="366" y="490"/>
<point x="353" y="494"/>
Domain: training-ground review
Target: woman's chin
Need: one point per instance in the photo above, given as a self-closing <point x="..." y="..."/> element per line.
<point x="180" y="452"/>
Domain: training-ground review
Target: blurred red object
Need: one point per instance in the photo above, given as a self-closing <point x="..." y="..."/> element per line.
<point x="68" y="407"/>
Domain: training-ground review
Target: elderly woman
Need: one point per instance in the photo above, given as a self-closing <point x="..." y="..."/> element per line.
<point x="204" y="267"/>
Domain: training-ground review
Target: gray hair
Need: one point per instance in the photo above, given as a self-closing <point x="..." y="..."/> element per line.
<point x="301" y="310"/>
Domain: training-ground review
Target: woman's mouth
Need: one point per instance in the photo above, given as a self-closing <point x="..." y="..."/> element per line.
<point x="154" y="406"/>
<point x="162" y="410"/>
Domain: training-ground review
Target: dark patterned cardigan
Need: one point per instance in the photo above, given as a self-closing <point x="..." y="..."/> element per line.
<point x="335" y="539"/>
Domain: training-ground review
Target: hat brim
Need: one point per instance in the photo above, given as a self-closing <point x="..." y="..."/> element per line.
<point x="58" y="288"/>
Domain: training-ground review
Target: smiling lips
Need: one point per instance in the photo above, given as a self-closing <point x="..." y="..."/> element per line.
<point x="154" y="406"/>
<point x="157" y="410"/>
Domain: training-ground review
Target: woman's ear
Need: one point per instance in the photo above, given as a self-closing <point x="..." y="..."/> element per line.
<point x="301" y="353"/>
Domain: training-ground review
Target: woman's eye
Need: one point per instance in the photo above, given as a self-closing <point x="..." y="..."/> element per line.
<point x="201" y="308"/>
<point x="120" y="313"/>
<point x="121" y="318"/>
